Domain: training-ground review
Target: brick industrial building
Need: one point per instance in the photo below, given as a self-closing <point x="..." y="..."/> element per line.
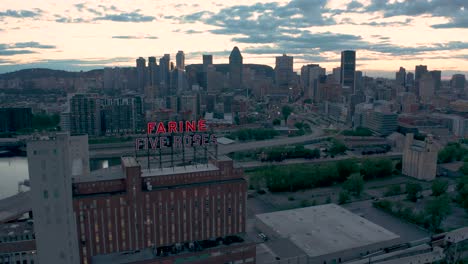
<point x="136" y="214"/>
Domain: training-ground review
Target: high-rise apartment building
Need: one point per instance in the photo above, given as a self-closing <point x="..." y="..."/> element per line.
<point x="85" y="116"/>
<point x="153" y="72"/>
<point x="180" y="60"/>
<point x="122" y="115"/>
<point x="426" y="87"/>
<point x="207" y="61"/>
<point x="410" y="81"/>
<point x="52" y="162"/>
<point x="141" y="74"/>
<point x="310" y="77"/>
<point x="358" y="81"/>
<point x="284" y="72"/>
<point x="348" y="68"/>
<point x="164" y="73"/>
<point x="458" y="82"/>
<point x="418" y="73"/>
<point x="336" y="74"/>
<point x="437" y="77"/>
<point x="400" y="77"/>
<point x="235" y="69"/>
<point x="15" y="118"/>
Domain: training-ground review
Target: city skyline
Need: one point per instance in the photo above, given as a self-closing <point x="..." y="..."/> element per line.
<point x="95" y="35"/>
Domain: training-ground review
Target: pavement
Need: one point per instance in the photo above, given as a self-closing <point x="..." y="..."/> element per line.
<point x="118" y="149"/>
<point x="407" y="232"/>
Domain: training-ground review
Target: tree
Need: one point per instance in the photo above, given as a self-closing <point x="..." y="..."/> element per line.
<point x="346" y="168"/>
<point x="376" y="168"/>
<point x="462" y="189"/>
<point x="437" y="210"/>
<point x="276" y="122"/>
<point x="343" y="197"/>
<point x="439" y="187"/>
<point x="464" y="168"/>
<point x="337" y="147"/>
<point x="354" y="184"/>
<point x="413" y="190"/>
<point x="393" y="190"/>
<point x="286" y="111"/>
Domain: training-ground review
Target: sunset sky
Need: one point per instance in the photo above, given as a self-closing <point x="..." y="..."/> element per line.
<point x="83" y="35"/>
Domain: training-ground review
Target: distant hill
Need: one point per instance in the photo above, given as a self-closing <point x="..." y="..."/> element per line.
<point x="47" y="73"/>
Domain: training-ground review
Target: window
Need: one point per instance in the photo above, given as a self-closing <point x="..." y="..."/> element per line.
<point x="46" y="194"/>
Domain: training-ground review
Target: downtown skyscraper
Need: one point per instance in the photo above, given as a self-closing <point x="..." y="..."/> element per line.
<point x="348" y="68"/>
<point x="235" y="69"/>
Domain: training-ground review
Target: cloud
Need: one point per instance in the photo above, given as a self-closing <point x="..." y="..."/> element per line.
<point x="264" y="17"/>
<point x="353" y="5"/>
<point x="22" y="48"/>
<point x="191" y="31"/>
<point x="21" y="13"/>
<point x="456" y="11"/>
<point x="15" y="52"/>
<point x="126" y="17"/>
<point x="61" y="19"/>
<point x="32" y="44"/>
<point x="134" y="37"/>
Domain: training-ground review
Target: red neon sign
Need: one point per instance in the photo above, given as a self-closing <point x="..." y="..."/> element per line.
<point x="176" y="127"/>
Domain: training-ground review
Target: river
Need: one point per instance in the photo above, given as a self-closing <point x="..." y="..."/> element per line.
<point x="12" y="171"/>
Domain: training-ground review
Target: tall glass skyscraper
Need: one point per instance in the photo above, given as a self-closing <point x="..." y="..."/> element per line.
<point x="348" y="68"/>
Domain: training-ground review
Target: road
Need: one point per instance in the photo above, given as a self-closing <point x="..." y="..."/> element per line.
<point x="256" y="164"/>
<point x="116" y="150"/>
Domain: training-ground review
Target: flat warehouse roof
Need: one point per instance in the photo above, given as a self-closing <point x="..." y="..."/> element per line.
<point x="325" y="229"/>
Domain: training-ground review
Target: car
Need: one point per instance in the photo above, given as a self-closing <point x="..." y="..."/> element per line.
<point x="263" y="236"/>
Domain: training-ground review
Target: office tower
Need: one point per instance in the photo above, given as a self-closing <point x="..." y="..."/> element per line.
<point x="400" y="77"/>
<point x="191" y="105"/>
<point x="180" y="60"/>
<point x="207" y="61"/>
<point x="418" y="73"/>
<point x="164" y="70"/>
<point x="162" y="215"/>
<point x="409" y="81"/>
<point x="85" y="117"/>
<point x="210" y="103"/>
<point x="178" y="82"/>
<point x="337" y="74"/>
<point x="153" y="72"/>
<point x="305" y="74"/>
<point x="284" y="73"/>
<point x="426" y="87"/>
<point x="122" y="115"/>
<point x="52" y="162"/>
<point x="458" y="82"/>
<point x="227" y="102"/>
<point x="348" y="68"/>
<point x="437" y="76"/>
<point x="235" y="69"/>
<point x="359" y="85"/>
<point x="310" y="76"/>
<point x="420" y="158"/>
<point x="15" y="118"/>
<point x="141" y="74"/>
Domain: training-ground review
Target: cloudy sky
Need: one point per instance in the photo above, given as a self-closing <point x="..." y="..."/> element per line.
<point x="82" y="35"/>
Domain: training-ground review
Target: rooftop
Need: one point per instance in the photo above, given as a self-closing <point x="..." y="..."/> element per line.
<point x="325" y="229"/>
<point x="107" y="174"/>
<point x="178" y="170"/>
